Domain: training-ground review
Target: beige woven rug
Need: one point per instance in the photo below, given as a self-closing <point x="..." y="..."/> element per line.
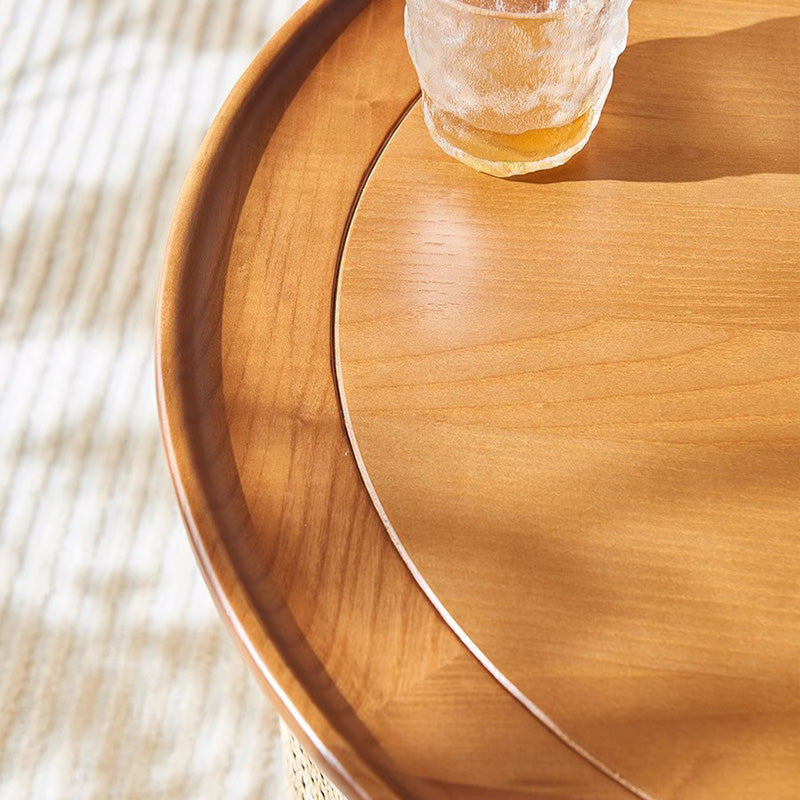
<point x="117" y="679"/>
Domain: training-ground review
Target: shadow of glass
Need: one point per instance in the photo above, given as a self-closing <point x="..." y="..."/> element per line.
<point x="696" y="108"/>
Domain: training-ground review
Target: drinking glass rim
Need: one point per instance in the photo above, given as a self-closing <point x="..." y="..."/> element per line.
<point x="497" y="14"/>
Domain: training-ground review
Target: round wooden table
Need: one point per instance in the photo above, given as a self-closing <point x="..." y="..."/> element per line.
<point x="497" y="482"/>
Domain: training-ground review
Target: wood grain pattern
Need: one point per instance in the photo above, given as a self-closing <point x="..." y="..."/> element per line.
<point x="372" y="680"/>
<point x="578" y="399"/>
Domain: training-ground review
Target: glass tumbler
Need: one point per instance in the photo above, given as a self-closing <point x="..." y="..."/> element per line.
<point x="514" y="86"/>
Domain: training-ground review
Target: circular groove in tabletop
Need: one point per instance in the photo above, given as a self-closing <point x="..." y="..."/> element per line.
<point x="473" y="648"/>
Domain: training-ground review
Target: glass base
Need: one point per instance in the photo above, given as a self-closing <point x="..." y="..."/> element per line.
<point x="506" y="154"/>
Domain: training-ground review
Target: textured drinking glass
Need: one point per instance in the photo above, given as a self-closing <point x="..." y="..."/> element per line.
<point x="514" y="86"/>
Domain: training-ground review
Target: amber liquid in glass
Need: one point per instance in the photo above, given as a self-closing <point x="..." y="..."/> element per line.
<point x="537" y="145"/>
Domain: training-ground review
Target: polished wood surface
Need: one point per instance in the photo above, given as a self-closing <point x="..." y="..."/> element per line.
<point x="368" y="674"/>
<point x="577" y="398"/>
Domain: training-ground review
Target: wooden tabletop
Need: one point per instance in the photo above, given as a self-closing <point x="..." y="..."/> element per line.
<point x="497" y="482"/>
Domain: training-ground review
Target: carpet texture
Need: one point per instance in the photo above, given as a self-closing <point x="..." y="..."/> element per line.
<point x="118" y="679"/>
